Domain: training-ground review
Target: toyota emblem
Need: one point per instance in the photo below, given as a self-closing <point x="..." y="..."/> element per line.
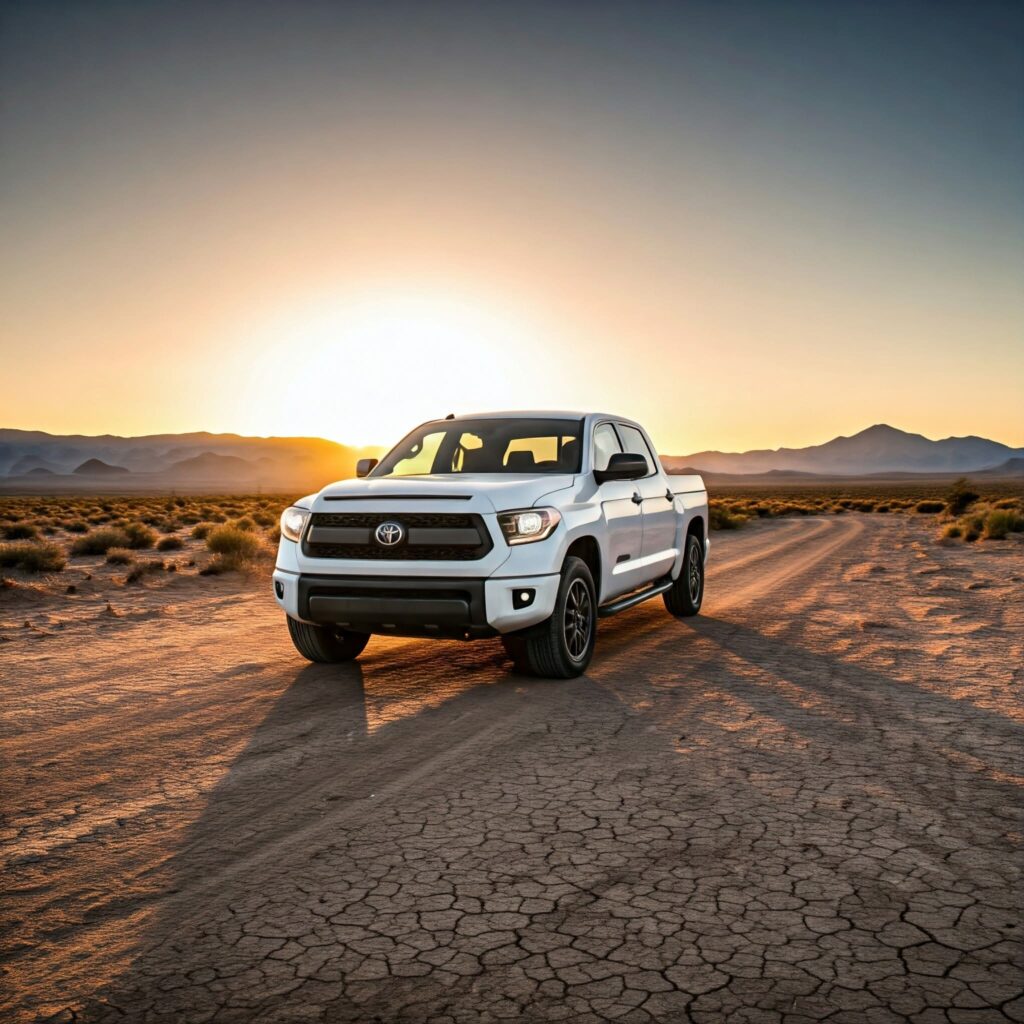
<point x="389" y="534"/>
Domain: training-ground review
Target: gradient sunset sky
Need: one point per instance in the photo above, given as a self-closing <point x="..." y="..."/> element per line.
<point x="745" y="224"/>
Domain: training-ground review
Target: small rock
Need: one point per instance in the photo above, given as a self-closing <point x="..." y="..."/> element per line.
<point x="71" y="589"/>
<point x="872" y="624"/>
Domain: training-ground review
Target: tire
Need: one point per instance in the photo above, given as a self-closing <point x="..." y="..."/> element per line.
<point x="561" y="646"/>
<point x="687" y="593"/>
<point x="326" y="644"/>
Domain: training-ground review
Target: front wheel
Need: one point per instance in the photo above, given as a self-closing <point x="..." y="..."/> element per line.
<point x="687" y="592"/>
<point x="326" y="644"/>
<point x="561" y="647"/>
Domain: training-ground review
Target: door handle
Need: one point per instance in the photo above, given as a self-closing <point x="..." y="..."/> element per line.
<point x="637" y="500"/>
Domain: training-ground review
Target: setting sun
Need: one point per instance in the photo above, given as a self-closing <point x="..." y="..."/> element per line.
<point x="366" y="365"/>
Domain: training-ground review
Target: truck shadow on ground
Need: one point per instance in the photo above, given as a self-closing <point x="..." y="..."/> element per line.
<point x="720" y="713"/>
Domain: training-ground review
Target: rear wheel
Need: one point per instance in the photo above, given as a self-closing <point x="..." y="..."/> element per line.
<point x="561" y="646"/>
<point x="686" y="594"/>
<point x="326" y="644"/>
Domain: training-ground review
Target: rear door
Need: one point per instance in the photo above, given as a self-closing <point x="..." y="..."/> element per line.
<point x="658" y="551"/>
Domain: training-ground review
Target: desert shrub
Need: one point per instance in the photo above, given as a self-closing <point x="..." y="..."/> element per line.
<point x="1001" y="521"/>
<point x="140" y="535"/>
<point x="1014" y="503"/>
<point x="233" y="542"/>
<point x="245" y="523"/>
<point x="723" y="519"/>
<point x="264" y="519"/>
<point x="929" y="506"/>
<point x="142" y="568"/>
<point x="960" y="497"/>
<point x="31" y="557"/>
<point x="201" y="530"/>
<point x="99" y="542"/>
<point x="120" y="556"/>
<point x="21" y="531"/>
<point x="169" y="544"/>
<point x="76" y="526"/>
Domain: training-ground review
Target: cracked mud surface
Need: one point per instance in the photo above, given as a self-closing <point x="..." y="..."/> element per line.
<point x="804" y="805"/>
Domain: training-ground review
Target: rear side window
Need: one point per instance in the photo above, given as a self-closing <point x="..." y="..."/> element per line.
<point x="635" y="444"/>
<point x="606" y="444"/>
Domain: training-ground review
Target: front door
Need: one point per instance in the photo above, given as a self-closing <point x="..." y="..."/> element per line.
<point x="621" y="507"/>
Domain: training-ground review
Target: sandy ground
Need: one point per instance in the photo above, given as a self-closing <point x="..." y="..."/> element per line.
<point x="804" y="805"/>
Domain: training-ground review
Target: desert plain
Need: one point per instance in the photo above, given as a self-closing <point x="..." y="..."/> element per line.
<point x="803" y="805"/>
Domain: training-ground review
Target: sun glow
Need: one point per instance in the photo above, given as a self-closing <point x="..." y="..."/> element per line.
<point x="365" y="367"/>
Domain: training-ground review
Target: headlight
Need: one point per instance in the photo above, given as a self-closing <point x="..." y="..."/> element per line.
<point x="525" y="525"/>
<point x="293" y="522"/>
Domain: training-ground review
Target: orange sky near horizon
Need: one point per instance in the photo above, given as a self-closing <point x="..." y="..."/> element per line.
<point x="346" y="250"/>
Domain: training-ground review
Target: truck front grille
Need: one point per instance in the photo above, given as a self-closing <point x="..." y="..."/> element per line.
<point x="428" y="536"/>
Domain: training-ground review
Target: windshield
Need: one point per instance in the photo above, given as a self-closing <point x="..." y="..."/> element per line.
<point x="486" y="446"/>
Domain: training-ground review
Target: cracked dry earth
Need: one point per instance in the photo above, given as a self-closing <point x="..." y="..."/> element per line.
<point x="804" y="805"/>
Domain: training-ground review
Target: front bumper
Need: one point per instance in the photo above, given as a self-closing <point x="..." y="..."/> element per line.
<point x="457" y="606"/>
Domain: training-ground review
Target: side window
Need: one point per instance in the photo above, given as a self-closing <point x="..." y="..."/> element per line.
<point x="606" y="444"/>
<point x="636" y="445"/>
<point x="419" y="459"/>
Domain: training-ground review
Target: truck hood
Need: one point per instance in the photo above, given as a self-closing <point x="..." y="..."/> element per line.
<point x="499" y="491"/>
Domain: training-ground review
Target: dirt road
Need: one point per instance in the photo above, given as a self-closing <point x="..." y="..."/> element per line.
<point x="804" y="805"/>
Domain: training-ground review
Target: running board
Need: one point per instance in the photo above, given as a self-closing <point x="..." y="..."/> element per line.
<point x="631" y="600"/>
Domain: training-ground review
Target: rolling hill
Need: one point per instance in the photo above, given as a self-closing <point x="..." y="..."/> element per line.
<point x="879" y="449"/>
<point x="172" y="461"/>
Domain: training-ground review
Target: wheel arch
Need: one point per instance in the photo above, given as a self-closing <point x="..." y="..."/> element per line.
<point x="696" y="528"/>
<point x="588" y="549"/>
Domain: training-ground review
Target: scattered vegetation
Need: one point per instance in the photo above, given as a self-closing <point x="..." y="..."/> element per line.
<point x="142" y="568"/>
<point x="170" y="544"/>
<point x="999" y="522"/>
<point x="99" y="542"/>
<point x="139" y="535"/>
<point x="30" y="557"/>
<point x="120" y="556"/>
<point x="21" y="531"/>
<point x="975" y="517"/>
<point x="960" y="497"/>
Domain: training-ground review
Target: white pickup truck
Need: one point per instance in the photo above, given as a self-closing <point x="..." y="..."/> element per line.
<point x="528" y="526"/>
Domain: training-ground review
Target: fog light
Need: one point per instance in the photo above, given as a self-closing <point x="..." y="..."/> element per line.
<point x="279" y="589"/>
<point x="523" y="598"/>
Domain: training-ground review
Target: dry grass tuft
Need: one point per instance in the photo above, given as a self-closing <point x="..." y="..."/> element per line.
<point x="21" y="531"/>
<point x="31" y="557"/>
<point x="99" y="542"/>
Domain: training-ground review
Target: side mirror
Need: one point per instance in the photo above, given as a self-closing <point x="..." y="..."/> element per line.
<point x="623" y="466"/>
<point x="363" y="466"/>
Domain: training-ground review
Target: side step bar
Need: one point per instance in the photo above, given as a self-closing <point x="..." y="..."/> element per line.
<point x="631" y="600"/>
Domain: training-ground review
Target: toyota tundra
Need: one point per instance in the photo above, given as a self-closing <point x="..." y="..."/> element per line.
<point x="527" y="526"/>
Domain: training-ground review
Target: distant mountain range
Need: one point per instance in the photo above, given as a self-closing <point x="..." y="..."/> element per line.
<point x="209" y="462"/>
<point x="878" y="450"/>
<point x="31" y="460"/>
